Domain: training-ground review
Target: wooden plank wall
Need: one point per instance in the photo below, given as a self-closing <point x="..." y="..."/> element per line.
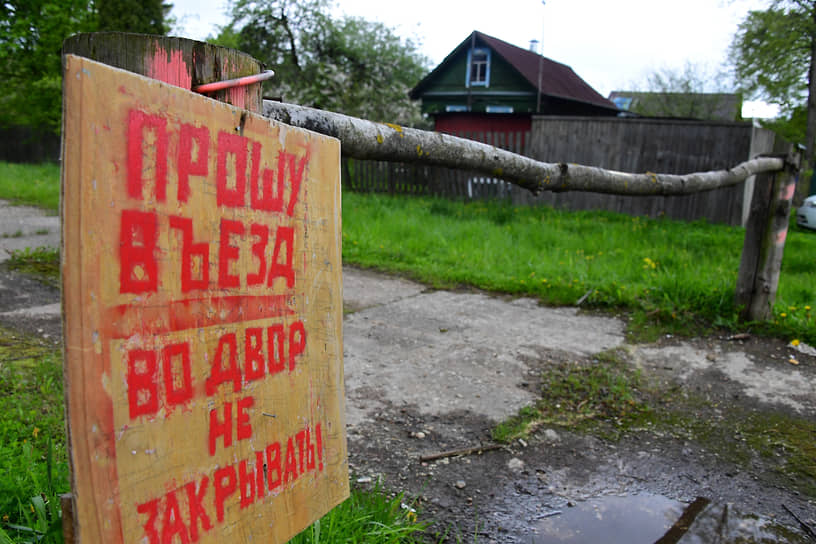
<point x="625" y="144"/>
<point x="647" y="145"/>
<point x="416" y="179"/>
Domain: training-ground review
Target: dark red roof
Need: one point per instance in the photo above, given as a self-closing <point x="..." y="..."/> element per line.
<point x="556" y="79"/>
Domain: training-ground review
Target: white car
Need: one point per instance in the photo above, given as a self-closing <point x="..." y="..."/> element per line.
<point x="806" y="214"/>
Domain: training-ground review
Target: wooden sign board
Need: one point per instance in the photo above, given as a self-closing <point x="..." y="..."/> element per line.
<point x="202" y="301"/>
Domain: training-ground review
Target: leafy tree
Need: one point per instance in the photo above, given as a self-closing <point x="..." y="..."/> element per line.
<point x="280" y="33"/>
<point x="31" y="35"/>
<point x="692" y="91"/>
<point x="792" y="126"/>
<point x="350" y="65"/>
<point x="774" y="58"/>
<point x="143" y="16"/>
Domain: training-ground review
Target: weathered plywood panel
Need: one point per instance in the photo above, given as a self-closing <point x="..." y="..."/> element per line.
<point x="203" y="315"/>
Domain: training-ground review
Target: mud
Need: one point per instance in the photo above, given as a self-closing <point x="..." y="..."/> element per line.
<point x="502" y="495"/>
<point x="433" y="371"/>
<point x="428" y="372"/>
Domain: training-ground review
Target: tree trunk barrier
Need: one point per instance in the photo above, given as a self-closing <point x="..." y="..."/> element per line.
<point x="766" y="230"/>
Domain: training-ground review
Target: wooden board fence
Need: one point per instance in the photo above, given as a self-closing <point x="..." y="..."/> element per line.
<point x="422" y="179"/>
<point x="628" y="145"/>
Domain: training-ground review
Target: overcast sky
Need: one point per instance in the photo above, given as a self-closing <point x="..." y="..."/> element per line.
<point x="612" y="45"/>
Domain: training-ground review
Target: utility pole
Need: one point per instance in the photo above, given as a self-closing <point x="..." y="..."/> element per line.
<point x="540" y="62"/>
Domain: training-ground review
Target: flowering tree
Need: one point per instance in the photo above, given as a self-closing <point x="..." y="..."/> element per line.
<point x="349" y="65"/>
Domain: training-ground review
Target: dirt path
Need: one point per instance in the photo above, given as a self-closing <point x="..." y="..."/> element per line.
<point x="431" y="371"/>
<point x="25" y="303"/>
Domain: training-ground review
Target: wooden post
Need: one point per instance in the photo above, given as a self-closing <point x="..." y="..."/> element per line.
<point x="67" y="507"/>
<point x="178" y="61"/>
<point x="765" y="236"/>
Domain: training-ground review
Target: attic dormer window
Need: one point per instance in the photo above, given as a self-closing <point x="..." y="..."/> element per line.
<point x="478" y="67"/>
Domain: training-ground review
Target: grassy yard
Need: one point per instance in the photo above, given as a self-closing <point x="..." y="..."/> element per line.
<point x="32" y="184"/>
<point x="668" y="276"/>
<point x="33" y="462"/>
<point x="671" y="276"/>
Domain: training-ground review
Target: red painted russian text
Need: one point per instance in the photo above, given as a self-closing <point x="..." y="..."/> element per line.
<point x="184" y="513"/>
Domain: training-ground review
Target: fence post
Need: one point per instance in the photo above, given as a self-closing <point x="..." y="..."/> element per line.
<point x="765" y="235"/>
<point x="178" y="61"/>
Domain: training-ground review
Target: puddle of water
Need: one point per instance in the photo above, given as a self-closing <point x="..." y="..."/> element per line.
<point x="654" y="519"/>
<point x="633" y="519"/>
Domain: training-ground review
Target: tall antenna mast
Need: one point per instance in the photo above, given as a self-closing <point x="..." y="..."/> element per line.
<point x="540" y="62"/>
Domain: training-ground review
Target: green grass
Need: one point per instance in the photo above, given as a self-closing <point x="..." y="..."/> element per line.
<point x="366" y="516"/>
<point x="671" y="276"/>
<point x="34" y="465"/>
<point x="33" y="458"/>
<point x="35" y="185"/>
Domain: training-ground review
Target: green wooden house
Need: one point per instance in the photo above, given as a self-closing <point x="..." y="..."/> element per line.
<point x="486" y="84"/>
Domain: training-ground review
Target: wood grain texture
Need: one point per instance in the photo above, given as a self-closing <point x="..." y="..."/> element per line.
<point x="181" y="62"/>
<point x="202" y="319"/>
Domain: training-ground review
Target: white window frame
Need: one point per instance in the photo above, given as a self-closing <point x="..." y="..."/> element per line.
<point x="483" y="69"/>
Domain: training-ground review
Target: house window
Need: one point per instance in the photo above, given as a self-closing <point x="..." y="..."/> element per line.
<point x="623" y="102"/>
<point x="478" y="67"/>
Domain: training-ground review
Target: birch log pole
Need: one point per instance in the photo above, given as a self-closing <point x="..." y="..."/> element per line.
<point x="368" y="140"/>
<point x="765" y="233"/>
